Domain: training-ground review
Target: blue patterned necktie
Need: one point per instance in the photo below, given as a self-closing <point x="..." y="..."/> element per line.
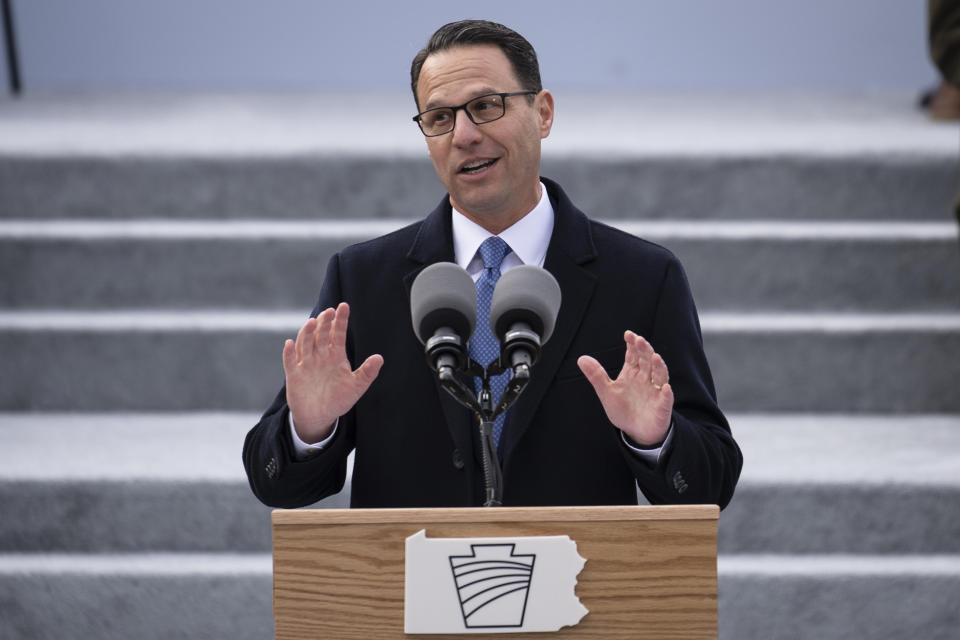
<point x="484" y="346"/>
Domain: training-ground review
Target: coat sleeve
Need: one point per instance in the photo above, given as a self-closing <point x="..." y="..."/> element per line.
<point x="703" y="462"/>
<point x="276" y="477"/>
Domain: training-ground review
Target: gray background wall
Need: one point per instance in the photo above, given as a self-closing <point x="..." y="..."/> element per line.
<point x="649" y="45"/>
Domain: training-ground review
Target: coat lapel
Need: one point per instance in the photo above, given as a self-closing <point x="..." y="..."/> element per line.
<point x="571" y="246"/>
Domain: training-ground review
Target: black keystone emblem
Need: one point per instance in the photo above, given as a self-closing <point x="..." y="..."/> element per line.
<point x="492" y="585"/>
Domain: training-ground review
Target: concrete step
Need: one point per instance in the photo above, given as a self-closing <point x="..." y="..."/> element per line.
<point x="272" y="156"/>
<point x="74" y="597"/>
<point x="229" y="360"/>
<point x="845" y="484"/>
<point x="110" y="482"/>
<point x="219" y="596"/>
<point x="810" y="485"/>
<point x="260" y="264"/>
<point x="839" y="597"/>
<point x="717" y="187"/>
<point x="648" y="124"/>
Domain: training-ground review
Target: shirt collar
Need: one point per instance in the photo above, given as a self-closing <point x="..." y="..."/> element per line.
<point x="528" y="237"/>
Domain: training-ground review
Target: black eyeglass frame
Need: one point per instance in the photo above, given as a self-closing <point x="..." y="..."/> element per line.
<point x="463" y="107"/>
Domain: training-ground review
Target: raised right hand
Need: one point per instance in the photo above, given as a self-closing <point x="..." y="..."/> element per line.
<point x="321" y="387"/>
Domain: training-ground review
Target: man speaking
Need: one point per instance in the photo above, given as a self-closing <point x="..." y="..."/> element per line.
<point x="622" y="395"/>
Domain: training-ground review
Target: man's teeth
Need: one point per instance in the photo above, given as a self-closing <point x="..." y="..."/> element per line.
<point x="477" y="166"/>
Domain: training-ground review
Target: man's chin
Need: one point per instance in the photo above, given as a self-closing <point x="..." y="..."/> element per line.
<point x="480" y="202"/>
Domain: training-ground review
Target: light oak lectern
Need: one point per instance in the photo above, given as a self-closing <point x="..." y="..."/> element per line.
<point x="651" y="571"/>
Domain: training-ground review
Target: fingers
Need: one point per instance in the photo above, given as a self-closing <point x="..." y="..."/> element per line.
<point x="647" y="363"/>
<point x="338" y="331"/>
<point x="289" y="357"/>
<point x="595" y="373"/>
<point x="321" y="337"/>
<point x="305" y="338"/>
<point x="639" y="350"/>
<point x="666" y="395"/>
<point x="640" y="400"/>
<point x="367" y="372"/>
<point x="632" y="359"/>
<point x="327" y="330"/>
<point x="659" y="375"/>
<point x="329" y="327"/>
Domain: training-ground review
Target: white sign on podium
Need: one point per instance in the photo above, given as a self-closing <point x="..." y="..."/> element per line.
<point x="484" y="585"/>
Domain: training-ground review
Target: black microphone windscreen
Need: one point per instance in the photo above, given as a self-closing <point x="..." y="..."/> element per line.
<point x="443" y="295"/>
<point x="525" y="294"/>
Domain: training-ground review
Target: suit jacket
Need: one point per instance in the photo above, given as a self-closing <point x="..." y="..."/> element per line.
<point x="417" y="447"/>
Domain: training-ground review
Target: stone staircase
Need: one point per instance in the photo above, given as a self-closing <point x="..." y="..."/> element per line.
<point x="155" y="255"/>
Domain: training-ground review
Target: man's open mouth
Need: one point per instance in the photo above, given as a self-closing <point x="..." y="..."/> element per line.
<point x="477" y="166"/>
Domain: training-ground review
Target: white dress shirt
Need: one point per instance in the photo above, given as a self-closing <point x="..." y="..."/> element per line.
<point x="528" y="239"/>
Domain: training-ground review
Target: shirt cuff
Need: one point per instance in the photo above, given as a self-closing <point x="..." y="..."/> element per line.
<point x="650" y="455"/>
<point x="303" y="450"/>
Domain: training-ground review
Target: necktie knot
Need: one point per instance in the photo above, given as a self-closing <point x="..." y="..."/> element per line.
<point x="492" y="252"/>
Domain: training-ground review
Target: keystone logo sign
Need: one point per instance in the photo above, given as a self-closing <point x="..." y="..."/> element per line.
<point x="493" y="584"/>
<point x="479" y="585"/>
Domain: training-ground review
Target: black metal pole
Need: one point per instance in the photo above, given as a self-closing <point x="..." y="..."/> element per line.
<point x="482" y="406"/>
<point x="10" y="37"/>
<point x="492" y="478"/>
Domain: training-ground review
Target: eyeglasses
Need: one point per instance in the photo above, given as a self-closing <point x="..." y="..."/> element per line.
<point x="480" y="110"/>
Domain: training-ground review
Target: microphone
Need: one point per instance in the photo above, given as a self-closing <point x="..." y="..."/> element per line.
<point x="443" y="307"/>
<point x="523" y="313"/>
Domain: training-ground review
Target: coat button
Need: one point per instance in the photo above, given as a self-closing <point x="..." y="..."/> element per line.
<point x="271" y="469"/>
<point x="457" y="459"/>
<point x="679" y="483"/>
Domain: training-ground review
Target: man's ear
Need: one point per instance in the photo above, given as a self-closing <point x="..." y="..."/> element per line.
<point x="544" y="105"/>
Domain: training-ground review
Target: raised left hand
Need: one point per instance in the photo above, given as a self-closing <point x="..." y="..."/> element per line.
<point x="640" y="401"/>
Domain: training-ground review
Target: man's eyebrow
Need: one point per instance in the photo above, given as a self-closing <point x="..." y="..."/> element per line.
<point x="482" y="91"/>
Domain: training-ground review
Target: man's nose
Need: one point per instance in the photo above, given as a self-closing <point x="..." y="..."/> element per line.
<point x="464" y="129"/>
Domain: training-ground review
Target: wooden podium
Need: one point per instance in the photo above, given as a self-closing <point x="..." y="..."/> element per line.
<point x="651" y="571"/>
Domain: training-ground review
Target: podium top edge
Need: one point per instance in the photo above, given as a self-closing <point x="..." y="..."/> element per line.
<point x="500" y="514"/>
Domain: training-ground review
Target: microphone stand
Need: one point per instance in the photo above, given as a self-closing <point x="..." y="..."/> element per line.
<point x="482" y="405"/>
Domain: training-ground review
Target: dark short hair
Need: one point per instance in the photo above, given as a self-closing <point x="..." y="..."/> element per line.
<point x="519" y="52"/>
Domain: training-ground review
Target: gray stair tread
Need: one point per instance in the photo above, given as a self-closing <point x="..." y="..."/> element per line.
<point x="890" y="186"/>
<point x="789" y="363"/>
<point x="822" y="565"/>
<point x="845" y="484"/>
<point x="829" y="449"/>
<point x="256" y="264"/>
<point x="291" y="320"/>
<point x="271" y="124"/>
<point x="123" y="447"/>
<point x="358" y="230"/>
<point x="167" y="564"/>
<point x="835" y="564"/>
<point x="185" y="596"/>
<point x="839" y="598"/>
<point x="810" y="484"/>
<point x="778" y="449"/>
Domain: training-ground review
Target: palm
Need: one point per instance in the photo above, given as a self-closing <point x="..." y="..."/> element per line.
<point x="640" y="401"/>
<point x="321" y="386"/>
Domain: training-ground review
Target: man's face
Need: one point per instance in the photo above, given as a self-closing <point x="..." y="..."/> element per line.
<point x="491" y="170"/>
